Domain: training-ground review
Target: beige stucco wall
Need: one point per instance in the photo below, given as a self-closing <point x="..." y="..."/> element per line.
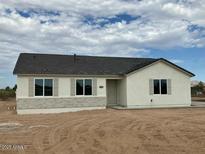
<point x="138" y="87"/>
<point x="22" y="87"/>
<point x="101" y="82"/>
<point x="122" y="92"/>
<point x="63" y="87"/>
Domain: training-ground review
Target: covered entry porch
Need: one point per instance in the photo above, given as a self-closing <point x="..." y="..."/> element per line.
<point x="116" y="92"/>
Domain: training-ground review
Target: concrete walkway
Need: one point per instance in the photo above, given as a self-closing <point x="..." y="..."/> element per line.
<point x="198" y="104"/>
<point x="194" y="104"/>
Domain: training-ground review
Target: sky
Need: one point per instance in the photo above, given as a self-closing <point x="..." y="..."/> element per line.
<point x="171" y="29"/>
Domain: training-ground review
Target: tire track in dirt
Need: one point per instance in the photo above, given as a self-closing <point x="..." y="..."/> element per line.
<point x="53" y="137"/>
<point x="96" y="133"/>
<point x="61" y="145"/>
<point x="98" y="139"/>
<point x="76" y="127"/>
<point x="38" y="141"/>
<point x="169" y="131"/>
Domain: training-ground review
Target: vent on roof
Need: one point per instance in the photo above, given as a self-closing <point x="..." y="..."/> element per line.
<point x="44" y="70"/>
<point x="74" y="58"/>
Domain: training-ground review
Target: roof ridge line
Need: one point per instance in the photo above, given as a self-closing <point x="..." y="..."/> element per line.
<point x="95" y="56"/>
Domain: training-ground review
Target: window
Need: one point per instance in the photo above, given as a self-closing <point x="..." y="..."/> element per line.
<point x="156" y="87"/>
<point x="163" y="86"/>
<point x="48" y="87"/>
<point x="43" y="87"/>
<point x="88" y="87"/>
<point x="83" y="87"/>
<point x="160" y="86"/>
<point x="38" y="87"/>
<point x="79" y="87"/>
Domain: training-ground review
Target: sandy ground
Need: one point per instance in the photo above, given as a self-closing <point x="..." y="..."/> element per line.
<point x="156" y="131"/>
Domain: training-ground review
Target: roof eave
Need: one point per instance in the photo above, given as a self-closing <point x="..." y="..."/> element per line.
<point x="72" y="75"/>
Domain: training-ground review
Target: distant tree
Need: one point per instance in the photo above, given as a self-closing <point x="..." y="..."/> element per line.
<point x="15" y="87"/>
<point x="7" y="93"/>
<point x="198" y="89"/>
<point x="7" y="88"/>
<point x="200" y="86"/>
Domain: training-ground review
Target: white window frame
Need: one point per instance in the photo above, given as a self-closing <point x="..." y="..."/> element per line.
<point x="43" y="86"/>
<point x="83" y="87"/>
<point x="160" y="92"/>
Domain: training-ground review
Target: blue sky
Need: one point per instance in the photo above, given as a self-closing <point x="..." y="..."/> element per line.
<point x="192" y="59"/>
<point x="171" y="29"/>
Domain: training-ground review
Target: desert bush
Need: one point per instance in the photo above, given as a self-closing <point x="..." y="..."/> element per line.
<point x="5" y="94"/>
<point x="198" y="90"/>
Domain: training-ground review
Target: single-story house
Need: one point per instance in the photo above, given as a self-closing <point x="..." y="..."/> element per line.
<point x="60" y="83"/>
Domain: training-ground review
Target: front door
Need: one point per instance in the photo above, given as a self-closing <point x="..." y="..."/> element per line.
<point x="111" y="92"/>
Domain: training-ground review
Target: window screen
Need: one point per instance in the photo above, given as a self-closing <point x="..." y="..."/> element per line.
<point x="79" y="87"/>
<point x="88" y="87"/>
<point x="163" y="86"/>
<point x="39" y="87"/>
<point x="156" y="87"/>
<point x="43" y="87"/>
<point x="83" y="87"/>
<point x="160" y="86"/>
<point x="48" y="87"/>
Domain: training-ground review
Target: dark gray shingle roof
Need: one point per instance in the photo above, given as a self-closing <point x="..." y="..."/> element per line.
<point x="29" y="63"/>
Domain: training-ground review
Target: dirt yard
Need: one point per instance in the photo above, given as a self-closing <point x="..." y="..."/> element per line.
<point x="156" y="131"/>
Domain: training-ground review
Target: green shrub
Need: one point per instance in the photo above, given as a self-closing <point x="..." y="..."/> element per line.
<point x="5" y="94"/>
<point x="198" y="90"/>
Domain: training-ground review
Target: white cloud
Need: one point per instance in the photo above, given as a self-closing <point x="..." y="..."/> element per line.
<point x="177" y="61"/>
<point x="163" y="24"/>
<point x="2" y="77"/>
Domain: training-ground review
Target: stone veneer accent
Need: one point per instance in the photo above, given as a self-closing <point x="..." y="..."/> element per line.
<point x="52" y="103"/>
